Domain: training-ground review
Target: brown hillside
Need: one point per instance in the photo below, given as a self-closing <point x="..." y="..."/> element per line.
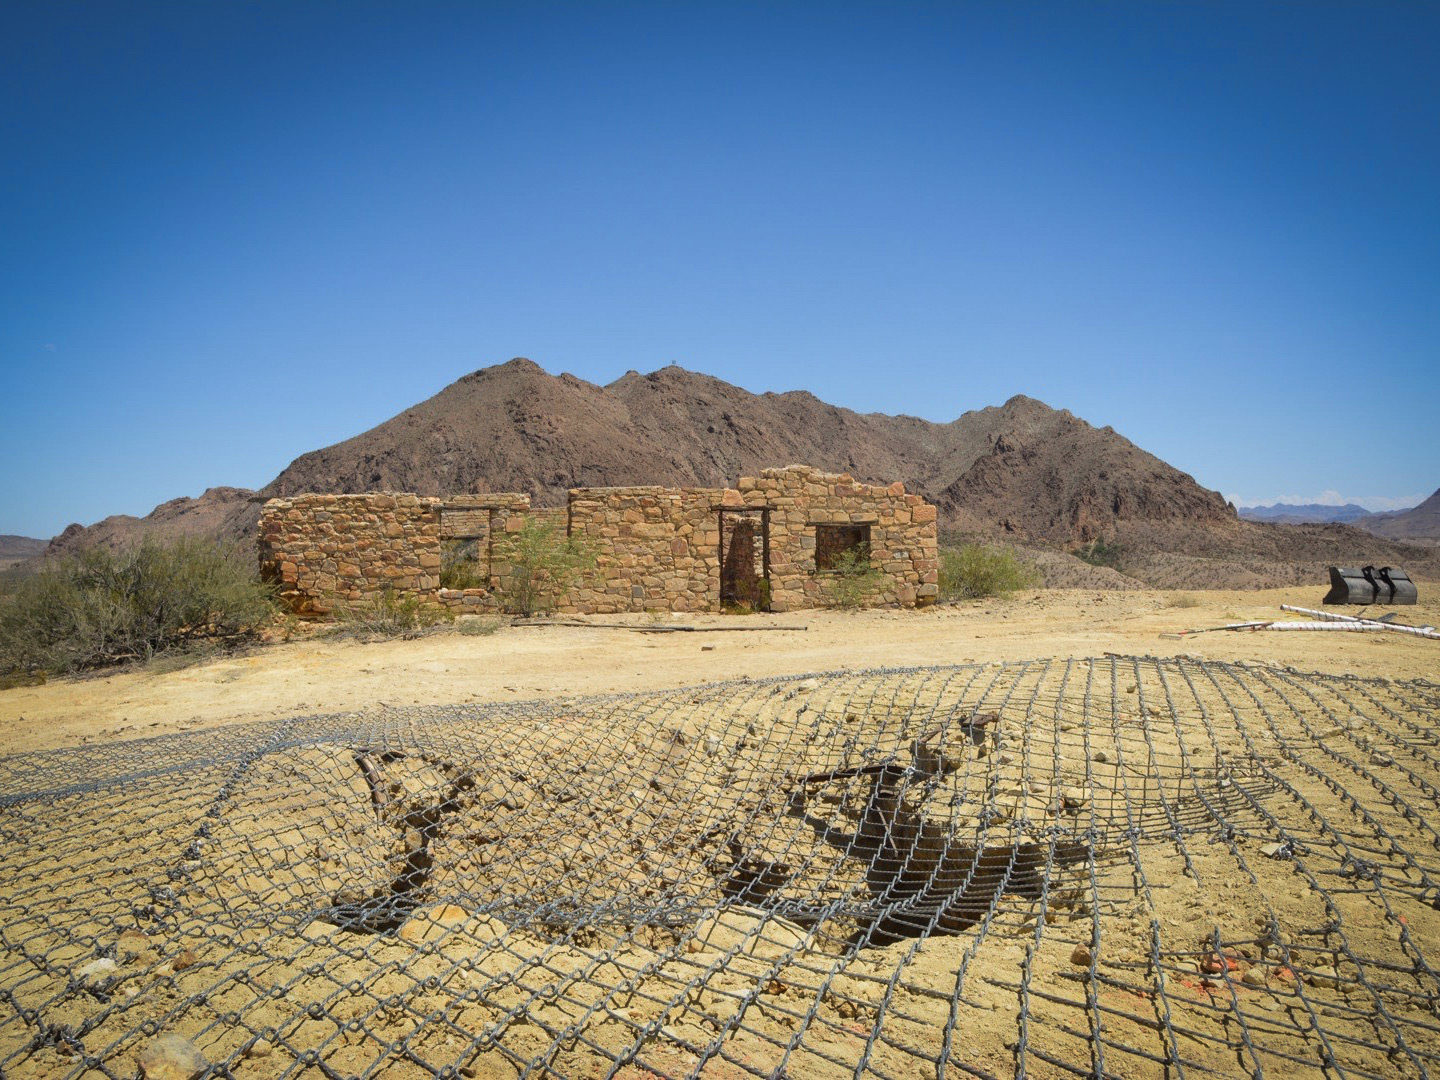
<point x="1063" y="482"/>
<point x="513" y="427"/>
<point x="1420" y="523"/>
<point x="225" y="513"/>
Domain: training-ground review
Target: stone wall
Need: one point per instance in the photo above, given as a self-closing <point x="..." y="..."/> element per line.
<point x="321" y="548"/>
<point x="324" y="549"/>
<point x="657" y="549"/>
<point x="904" y="544"/>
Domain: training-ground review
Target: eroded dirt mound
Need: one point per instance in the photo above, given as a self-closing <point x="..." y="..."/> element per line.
<point x="1117" y="866"/>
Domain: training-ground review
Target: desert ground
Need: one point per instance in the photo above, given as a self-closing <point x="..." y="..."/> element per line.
<point x="456" y="856"/>
<point x="315" y="674"/>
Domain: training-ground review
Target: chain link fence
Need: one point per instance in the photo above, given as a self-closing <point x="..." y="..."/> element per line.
<point x="1124" y="867"/>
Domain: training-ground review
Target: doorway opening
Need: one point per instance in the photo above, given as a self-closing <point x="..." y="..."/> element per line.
<point x="745" y="559"/>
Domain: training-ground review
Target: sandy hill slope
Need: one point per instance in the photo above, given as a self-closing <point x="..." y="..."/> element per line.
<point x="1420" y="523"/>
<point x="1022" y="471"/>
<point x="14" y="549"/>
<point x="20" y="547"/>
<point x="225" y="513"/>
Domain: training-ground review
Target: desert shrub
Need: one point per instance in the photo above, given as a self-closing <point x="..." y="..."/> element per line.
<point x="761" y="601"/>
<point x="853" y="581"/>
<point x="459" y="566"/>
<point x="974" y="570"/>
<point x="101" y="607"/>
<point x="540" y="562"/>
<point x="1181" y="600"/>
<point x="387" y="615"/>
<point x="1100" y="552"/>
<point x="477" y="626"/>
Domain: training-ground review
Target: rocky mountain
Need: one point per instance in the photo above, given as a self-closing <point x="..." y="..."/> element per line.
<point x="1304" y="513"/>
<point x="515" y="428"/>
<point x="1042" y="473"/>
<point x="1061" y="482"/>
<point x="1023" y="471"/>
<point x="1421" y="523"/>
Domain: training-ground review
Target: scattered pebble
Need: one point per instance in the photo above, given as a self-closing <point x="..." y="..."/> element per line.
<point x="187" y="958"/>
<point x="97" y="971"/>
<point x="260" y="1048"/>
<point x="172" y="1057"/>
<point x="1326" y="978"/>
<point x="1081" y="956"/>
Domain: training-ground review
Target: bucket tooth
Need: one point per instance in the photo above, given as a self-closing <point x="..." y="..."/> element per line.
<point x="1402" y="589"/>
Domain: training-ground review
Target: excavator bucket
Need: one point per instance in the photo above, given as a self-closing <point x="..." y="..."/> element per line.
<point x="1370" y="585"/>
<point x="1402" y="589"/>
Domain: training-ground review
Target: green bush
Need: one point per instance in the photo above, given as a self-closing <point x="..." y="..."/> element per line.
<point x="459" y="565"/>
<point x="387" y="615"/>
<point x="974" y="570"/>
<point x="539" y="562"/>
<point x="855" y="581"/>
<point x="477" y="626"/>
<point x="100" y="607"/>
<point x="1099" y="552"/>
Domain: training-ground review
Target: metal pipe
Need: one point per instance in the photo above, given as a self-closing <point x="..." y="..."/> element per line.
<point x="1350" y="622"/>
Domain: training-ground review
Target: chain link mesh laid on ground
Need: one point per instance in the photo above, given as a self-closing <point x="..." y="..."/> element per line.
<point x="1119" y="867"/>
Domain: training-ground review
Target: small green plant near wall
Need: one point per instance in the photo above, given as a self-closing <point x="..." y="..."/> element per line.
<point x="762" y="602"/>
<point x="388" y="615"/>
<point x="1100" y="552"/>
<point x="975" y="570"/>
<point x="853" y="581"/>
<point x="460" y="566"/>
<point x="477" y="625"/>
<point x="541" y="561"/>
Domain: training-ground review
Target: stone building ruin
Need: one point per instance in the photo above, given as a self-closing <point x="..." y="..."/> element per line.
<point x="774" y="542"/>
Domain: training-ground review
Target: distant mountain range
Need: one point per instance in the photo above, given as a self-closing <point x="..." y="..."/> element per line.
<point x="1024" y="472"/>
<point x="1303" y="513"/>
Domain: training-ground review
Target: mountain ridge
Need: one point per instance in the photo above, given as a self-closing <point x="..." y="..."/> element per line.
<point x="1021" y="471"/>
<point x="1303" y="513"/>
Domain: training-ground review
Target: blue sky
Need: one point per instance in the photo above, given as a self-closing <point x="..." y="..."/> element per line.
<point x="233" y="233"/>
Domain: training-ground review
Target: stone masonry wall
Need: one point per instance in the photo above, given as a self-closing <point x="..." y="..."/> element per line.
<point x="657" y="549"/>
<point x="320" y="548"/>
<point x="323" y="549"/>
<point x="904" y="543"/>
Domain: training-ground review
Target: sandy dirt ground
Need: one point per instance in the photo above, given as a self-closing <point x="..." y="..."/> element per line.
<point x="1103" y="867"/>
<point x="314" y="674"/>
